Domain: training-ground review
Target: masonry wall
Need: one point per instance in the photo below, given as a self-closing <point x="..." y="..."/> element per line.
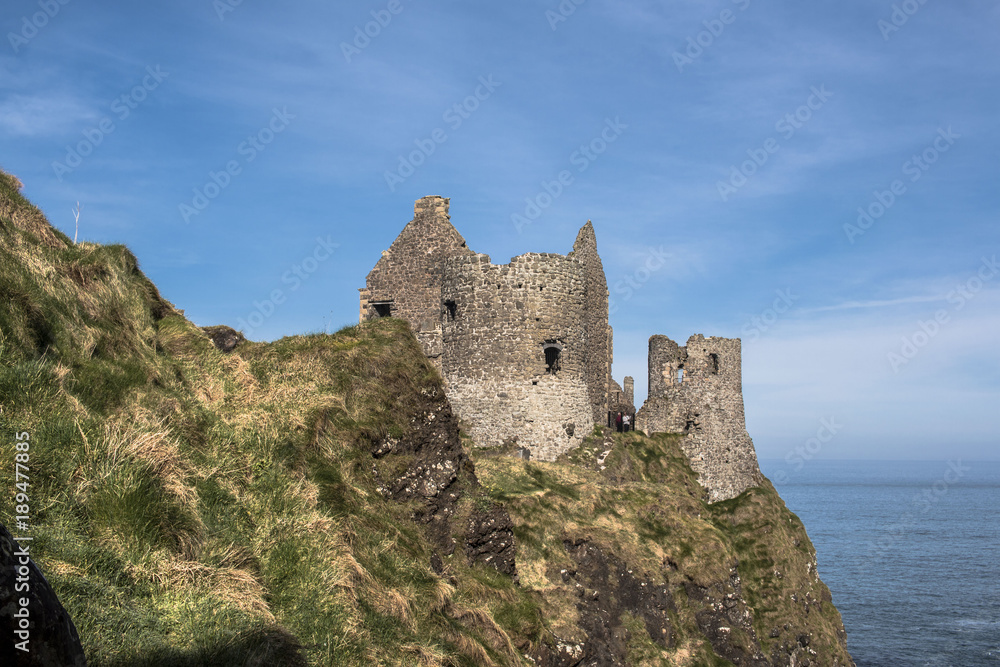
<point x="408" y="276"/>
<point x="486" y="327"/>
<point x="697" y="390"/>
<point x="597" y="335"/>
<point x="498" y="322"/>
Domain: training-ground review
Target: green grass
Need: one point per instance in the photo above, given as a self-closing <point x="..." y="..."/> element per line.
<point x="191" y="507"/>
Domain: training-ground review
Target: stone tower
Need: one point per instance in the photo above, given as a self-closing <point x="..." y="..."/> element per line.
<point x="524" y="347"/>
<point x="406" y="281"/>
<point x="697" y="390"/>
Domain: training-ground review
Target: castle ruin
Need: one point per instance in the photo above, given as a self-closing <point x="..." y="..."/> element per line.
<point x="697" y="390"/>
<point x="525" y="350"/>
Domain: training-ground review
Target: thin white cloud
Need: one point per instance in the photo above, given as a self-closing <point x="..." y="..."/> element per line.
<point x="44" y="114"/>
<point x="883" y="303"/>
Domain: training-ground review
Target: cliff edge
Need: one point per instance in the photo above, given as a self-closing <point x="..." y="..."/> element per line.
<point x="200" y="499"/>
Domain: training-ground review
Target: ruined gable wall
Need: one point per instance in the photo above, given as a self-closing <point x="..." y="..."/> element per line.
<point x="494" y="358"/>
<point x="597" y="335"/>
<point x="410" y="272"/>
<point x="707" y="406"/>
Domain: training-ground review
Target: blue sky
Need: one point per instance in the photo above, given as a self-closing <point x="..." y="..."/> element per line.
<point x="722" y="149"/>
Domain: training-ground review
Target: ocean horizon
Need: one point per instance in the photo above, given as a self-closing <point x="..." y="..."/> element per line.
<point x="910" y="551"/>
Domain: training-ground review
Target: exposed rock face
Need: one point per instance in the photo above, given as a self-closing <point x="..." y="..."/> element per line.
<point x="52" y="640"/>
<point x="224" y="338"/>
<point x="489" y="538"/>
<point x="438" y="473"/>
<point x="726" y="610"/>
<point x="607" y="588"/>
<point x="697" y="390"/>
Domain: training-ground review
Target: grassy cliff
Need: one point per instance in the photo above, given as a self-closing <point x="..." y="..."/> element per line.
<point x="312" y="501"/>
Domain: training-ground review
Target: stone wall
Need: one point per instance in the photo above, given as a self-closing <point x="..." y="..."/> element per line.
<point x="406" y="281"/>
<point x="499" y="321"/>
<point x="697" y="390"/>
<point x="524" y="348"/>
<point x="597" y="335"/>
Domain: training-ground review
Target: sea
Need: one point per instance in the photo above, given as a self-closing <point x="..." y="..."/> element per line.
<point x="910" y="551"/>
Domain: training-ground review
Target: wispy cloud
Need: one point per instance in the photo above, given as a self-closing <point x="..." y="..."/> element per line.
<point x="883" y="303"/>
<point x="44" y="115"/>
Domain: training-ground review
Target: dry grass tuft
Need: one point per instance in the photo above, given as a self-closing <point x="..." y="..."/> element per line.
<point x="23" y="213"/>
<point x="423" y="656"/>
<point x="480" y="620"/>
<point x="393" y="603"/>
<point x="232" y="586"/>
<point x="473" y="649"/>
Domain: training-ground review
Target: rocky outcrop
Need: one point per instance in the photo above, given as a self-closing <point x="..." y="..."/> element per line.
<point x="224" y="338"/>
<point x="607" y="588"/>
<point x="36" y="629"/>
<point x="428" y="464"/>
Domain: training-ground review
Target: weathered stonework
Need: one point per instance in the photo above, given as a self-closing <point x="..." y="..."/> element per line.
<point x="524" y="347"/>
<point x="406" y="281"/>
<point x="526" y="350"/>
<point x="697" y="390"/>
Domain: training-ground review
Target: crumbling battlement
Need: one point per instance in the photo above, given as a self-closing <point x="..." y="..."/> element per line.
<point x="524" y="347"/>
<point x="697" y="390"/>
<point x="406" y="281"/>
<point x="525" y="350"/>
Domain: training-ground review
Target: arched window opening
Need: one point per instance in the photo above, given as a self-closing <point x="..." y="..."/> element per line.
<point x="451" y="309"/>
<point x="680" y="375"/>
<point x="553" y="352"/>
<point x="713" y="363"/>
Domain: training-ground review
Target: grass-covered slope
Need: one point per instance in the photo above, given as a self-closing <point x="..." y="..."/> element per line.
<point x="310" y="501"/>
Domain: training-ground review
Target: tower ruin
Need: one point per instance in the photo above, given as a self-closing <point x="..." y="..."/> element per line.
<point x="697" y="390"/>
<point x="524" y="347"/>
<point x="525" y="350"/>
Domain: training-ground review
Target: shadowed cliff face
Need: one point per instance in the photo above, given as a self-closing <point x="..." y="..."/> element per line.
<point x="50" y="639"/>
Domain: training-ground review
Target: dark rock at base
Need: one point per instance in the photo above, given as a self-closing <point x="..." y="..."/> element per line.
<point x="490" y="539"/>
<point x="608" y="588"/>
<point x="53" y="640"/>
<point x="223" y="337"/>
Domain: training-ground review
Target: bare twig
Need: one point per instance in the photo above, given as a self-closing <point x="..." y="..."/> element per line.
<point x="76" y="215"/>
